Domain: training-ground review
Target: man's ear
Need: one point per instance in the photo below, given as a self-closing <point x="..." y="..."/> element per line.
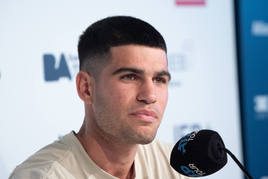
<point x="85" y="86"/>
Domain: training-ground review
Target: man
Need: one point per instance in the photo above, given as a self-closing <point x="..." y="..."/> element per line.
<point x="123" y="81"/>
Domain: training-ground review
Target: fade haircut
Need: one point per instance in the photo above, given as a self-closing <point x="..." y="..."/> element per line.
<point x="95" y="43"/>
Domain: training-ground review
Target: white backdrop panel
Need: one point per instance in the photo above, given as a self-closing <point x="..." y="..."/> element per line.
<point x="203" y="92"/>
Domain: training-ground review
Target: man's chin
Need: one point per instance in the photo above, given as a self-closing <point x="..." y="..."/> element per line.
<point x="145" y="142"/>
<point x="145" y="139"/>
<point x="139" y="136"/>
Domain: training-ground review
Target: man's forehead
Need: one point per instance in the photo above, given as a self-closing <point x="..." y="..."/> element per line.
<point x="132" y="46"/>
<point x="138" y="55"/>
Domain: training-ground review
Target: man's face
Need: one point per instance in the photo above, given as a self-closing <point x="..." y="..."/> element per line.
<point x="131" y="94"/>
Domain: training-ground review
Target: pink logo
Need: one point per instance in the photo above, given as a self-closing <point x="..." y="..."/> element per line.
<point x="190" y="2"/>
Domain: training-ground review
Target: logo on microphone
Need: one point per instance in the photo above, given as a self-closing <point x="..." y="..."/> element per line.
<point x="192" y="171"/>
<point x="184" y="141"/>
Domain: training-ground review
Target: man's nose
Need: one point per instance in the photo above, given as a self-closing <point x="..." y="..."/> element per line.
<point x="146" y="93"/>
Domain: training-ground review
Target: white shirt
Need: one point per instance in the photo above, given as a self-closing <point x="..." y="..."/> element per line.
<point x="67" y="159"/>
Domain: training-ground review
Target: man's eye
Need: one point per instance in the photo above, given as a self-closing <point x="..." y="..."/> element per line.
<point x="160" y="80"/>
<point x="129" y="77"/>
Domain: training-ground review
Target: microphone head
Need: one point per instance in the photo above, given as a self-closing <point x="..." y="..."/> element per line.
<point x="198" y="154"/>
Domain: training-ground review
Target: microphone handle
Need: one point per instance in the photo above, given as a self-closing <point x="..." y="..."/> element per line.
<point x="238" y="163"/>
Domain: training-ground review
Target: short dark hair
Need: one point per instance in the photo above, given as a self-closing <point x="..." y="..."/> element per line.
<point x="96" y="41"/>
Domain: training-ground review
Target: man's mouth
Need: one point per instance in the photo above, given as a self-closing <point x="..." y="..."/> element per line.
<point x="145" y="115"/>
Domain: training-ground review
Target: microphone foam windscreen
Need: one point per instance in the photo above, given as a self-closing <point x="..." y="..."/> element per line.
<point x="198" y="154"/>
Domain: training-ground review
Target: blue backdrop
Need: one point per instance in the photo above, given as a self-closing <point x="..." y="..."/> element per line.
<point x="253" y="53"/>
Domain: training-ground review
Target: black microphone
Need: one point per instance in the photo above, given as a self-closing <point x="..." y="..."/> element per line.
<point x="200" y="153"/>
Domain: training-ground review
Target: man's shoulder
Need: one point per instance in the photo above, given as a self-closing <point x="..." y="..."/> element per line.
<point x="44" y="162"/>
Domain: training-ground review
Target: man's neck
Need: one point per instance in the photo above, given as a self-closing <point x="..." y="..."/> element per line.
<point x="115" y="158"/>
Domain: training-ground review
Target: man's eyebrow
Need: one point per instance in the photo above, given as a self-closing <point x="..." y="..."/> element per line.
<point x="164" y="73"/>
<point x="134" y="70"/>
<point x="138" y="71"/>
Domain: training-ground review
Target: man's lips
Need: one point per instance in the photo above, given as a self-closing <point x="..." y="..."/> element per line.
<point x="145" y="115"/>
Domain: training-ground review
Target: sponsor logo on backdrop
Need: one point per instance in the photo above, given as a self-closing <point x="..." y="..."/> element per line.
<point x="261" y="106"/>
<point x="177" y="63"/>
<point x="60" y="67"/>
<point x="190" y="2"/>
<point x="264" y="177"/>
<point x="181" y="62"/>
<point x="259" y="28"/>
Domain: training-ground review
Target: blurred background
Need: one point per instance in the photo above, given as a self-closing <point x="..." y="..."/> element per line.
<point x="217" y="55"/>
